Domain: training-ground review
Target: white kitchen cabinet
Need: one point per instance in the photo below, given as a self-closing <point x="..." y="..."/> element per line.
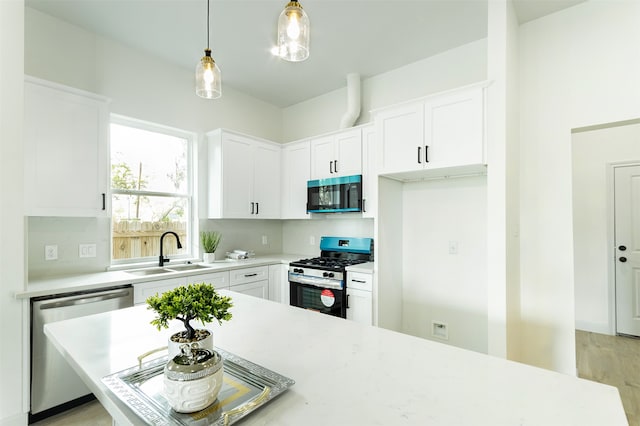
<point x="257" y="289"/>
<point x="436" y="136"/>
<point x="279" y="283"/>
<point x="359" y="297"/>
<point x="337" y="154"/>
<point x="253" y="281"/>
<point x="66" y="169"/>
<point x="369" y="173"/>
<point x="219" y="280"/>
<point x="244" y="176"/>
<point x="296" y="171"/>
<point x="141" y="291"/>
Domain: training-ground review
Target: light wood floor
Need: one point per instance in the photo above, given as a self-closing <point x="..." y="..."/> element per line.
<point x="613" y="360"/>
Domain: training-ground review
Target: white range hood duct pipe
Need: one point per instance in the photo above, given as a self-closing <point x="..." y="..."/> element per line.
<point x="353" y="101"/>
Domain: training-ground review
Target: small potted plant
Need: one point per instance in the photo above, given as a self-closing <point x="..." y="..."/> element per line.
<point x="186" y="303"/>
<point x="193" y="376"/>
<point x="210" y="241"/>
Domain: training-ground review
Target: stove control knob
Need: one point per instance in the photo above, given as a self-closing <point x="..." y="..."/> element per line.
<point x="298" y="270"/>
<point x="325" y="274"/>
<point x="328" y="274"/>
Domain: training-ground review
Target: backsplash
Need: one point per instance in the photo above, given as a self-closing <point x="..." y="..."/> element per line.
<point x="264" y="237"/>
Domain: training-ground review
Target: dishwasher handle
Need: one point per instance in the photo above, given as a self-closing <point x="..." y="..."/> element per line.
<point x="84" y="299"/>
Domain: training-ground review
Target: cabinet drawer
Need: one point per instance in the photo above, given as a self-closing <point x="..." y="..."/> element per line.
<point x="248" y="275"/>
<point x="360" y="281"/>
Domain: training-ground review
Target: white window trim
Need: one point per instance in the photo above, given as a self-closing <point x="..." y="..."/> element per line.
<point x="192" y="189"/>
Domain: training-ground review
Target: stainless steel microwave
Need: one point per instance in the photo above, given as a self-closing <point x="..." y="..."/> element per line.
<point x="335" y="195"/>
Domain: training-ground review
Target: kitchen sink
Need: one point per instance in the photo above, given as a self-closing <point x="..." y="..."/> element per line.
<point x="148" y="271"/>
<point x="187" y="267"/>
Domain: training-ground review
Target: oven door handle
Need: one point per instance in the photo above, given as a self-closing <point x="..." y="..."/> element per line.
<point x="315" y="281"/>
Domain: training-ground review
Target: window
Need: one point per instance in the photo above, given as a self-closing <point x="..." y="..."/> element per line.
<point x="151" y="191"/>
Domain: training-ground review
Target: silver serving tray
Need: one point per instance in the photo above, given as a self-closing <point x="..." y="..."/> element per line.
<point x="246" y="387"/>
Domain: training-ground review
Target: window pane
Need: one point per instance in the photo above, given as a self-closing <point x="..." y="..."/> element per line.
<point x="148" y="161"/>
<point x="139" y="222"/>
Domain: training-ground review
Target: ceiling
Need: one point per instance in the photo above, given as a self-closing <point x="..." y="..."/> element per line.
<point x="368" y="37"/>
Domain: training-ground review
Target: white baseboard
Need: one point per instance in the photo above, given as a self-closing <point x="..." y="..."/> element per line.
<point x="595" y="327"/>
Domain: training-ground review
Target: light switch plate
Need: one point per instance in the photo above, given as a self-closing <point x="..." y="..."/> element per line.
<point x="87" y="250"/>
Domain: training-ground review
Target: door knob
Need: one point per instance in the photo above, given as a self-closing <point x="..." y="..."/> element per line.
<point x="623" y="259"/>
<point x="622" y="248"/>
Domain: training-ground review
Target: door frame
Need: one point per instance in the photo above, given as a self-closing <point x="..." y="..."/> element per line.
<point x="611" y="239"/>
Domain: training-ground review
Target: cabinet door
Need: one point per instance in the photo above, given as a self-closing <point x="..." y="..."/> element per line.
<point x="454" y="129"/>
<point x="66" y="152"/>
<point x="296" y="171"/>
<point x="237" y="176"/>
<point x="323" y="155"/>
<point x="220" y="280"/>
<point x="348" y="160"/>
<point x="359" y="304"/>
<point x="400" y="133"/>
<point x="257" y="289"/>
<point x="266" y="185"/>
<point x="369" y="173"/>
<point x="142" y="291"/>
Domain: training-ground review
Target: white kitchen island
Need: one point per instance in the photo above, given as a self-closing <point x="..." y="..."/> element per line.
<point x="346" y="373"/>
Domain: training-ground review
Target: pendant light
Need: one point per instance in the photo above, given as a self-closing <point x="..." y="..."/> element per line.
<point x="208" y="78"/>
<point x="293" y="33"/>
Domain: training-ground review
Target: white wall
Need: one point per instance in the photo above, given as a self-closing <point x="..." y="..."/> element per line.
<point x="593" y="152"/>
<point x="13" y="330"/>
<point x="578" y="67"/>
<point x="142" y="87"/>
<point x="454" y="68"/>
<point x="438" y="285"/>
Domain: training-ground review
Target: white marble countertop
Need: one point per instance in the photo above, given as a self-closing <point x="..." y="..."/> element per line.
<point x="347" y="373"/>
<point x="97" y="280"/>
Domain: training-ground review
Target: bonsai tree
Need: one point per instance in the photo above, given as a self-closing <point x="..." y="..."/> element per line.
<point x="210" y="240"/>
<point x="192" y="302"/>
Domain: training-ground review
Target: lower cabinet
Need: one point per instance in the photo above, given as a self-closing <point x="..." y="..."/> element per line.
<point x="141" y="291"/>
<point x="359" y="297"/>
<point x="252" y="281"/>
<point x="258" y="289"/>
<point x="279" y="283"/>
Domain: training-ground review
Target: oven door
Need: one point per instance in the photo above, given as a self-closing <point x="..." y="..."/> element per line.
<point x="326" y="300"/>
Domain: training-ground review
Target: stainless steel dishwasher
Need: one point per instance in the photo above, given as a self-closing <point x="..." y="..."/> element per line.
<point x="55" y="386"/>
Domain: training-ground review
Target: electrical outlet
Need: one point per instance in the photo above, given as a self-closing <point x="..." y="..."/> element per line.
<point x="87" y="250"/>
<point x="440" y="330"/>
<point x="50" y="252"/>
<point x="265" y="241"/>
<point x="312" y="240"/>
<point x="453" y="247"/>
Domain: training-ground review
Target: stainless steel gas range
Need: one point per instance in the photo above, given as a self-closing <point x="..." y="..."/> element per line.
<point x="319" y="283"/>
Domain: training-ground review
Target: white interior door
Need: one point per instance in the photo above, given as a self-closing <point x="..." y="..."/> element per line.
<point x="627" y="250"/>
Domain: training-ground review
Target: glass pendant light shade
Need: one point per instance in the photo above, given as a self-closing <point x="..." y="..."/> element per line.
<point x="293" y="33"/>
<point x="208" y="77"/>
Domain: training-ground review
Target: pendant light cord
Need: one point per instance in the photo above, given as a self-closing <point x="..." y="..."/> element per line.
<point x="208" y="37"/>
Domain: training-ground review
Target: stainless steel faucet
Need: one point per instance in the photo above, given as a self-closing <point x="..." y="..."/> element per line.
<point x="162" y="258"/>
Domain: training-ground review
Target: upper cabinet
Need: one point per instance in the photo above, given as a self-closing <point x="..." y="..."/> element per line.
<point x="296" y="171"/>
<point x="369" y="172"/>
<point x="244" y="176"/>
<point x="436" y="136"/>
<point x="337" y="154"/>
<point x="66" y="151"/>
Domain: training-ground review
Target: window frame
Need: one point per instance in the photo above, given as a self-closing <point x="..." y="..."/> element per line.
<point x="191" y="245"/>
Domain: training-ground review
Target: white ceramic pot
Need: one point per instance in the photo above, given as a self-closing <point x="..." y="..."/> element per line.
<point x="205" y="342"/>
<point x="193" y="380"/>
<point x="208" y="257"/>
